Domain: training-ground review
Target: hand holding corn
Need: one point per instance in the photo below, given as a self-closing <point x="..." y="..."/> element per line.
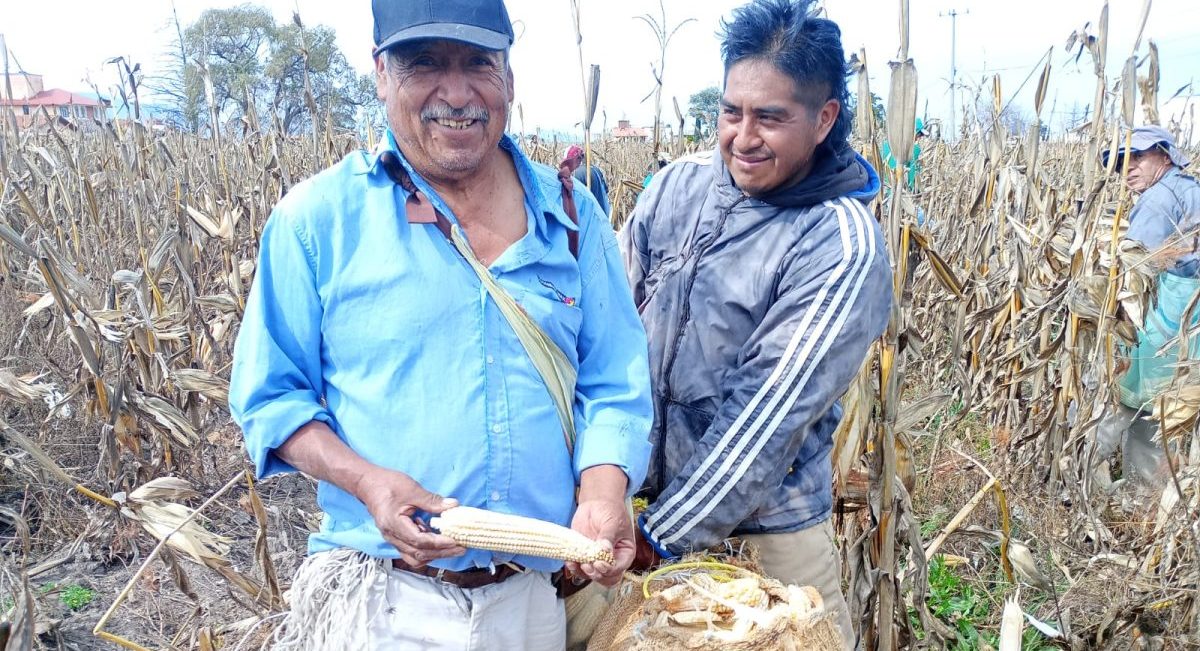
<point x="393" y="498"/>
<point x="602" y="515"/>
<point x="503" y="532"/>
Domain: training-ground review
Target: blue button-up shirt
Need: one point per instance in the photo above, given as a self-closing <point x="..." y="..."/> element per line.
<point x="378" y="328"/>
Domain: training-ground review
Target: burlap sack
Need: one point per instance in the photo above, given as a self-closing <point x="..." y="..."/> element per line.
<point x="634" y="623"/>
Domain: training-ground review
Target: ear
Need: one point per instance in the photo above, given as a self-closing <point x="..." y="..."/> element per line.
<point x="508" y="77"/>
<point x="381" y="76"/>
<point x="826" y="117"/>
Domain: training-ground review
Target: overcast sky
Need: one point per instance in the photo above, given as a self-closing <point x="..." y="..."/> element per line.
<point x="68" y="40"/>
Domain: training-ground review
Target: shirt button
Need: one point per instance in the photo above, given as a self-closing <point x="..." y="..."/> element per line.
<point x="495" y="496"/>
<point x="491" y="360"/>
<point x="496" y="428"/>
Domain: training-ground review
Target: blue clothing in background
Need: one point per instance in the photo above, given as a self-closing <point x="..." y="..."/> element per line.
<point x="1167" y="215"/>
<point x="599" y="186"/>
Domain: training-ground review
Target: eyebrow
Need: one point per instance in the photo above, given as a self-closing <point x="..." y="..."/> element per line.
<point x="772" y="111"/>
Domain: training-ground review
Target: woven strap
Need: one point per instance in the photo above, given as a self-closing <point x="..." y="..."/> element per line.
<point x="552" y="365"/>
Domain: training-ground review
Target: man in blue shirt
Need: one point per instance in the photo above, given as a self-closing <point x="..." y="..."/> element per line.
<point x="372" y="358"/>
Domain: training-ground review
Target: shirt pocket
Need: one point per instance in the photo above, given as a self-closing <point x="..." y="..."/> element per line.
<point x="558" y="316"/>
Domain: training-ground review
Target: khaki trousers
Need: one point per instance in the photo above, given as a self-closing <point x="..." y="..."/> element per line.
<point x="410" y="612"/>
<point x="343" y="600"/>
<point x="808" y="557"/>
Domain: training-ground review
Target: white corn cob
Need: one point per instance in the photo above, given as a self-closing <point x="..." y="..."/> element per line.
<point x="502" y="532"/>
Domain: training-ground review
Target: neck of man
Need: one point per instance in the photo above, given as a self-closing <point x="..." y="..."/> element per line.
<point x="1162" y="171"/>
<point x="473" y="194"/>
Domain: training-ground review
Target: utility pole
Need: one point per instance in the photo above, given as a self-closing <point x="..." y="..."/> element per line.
<point x="953" y="14"/>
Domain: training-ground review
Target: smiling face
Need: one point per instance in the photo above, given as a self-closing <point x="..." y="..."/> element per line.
<point x="1146" y="168"/>
<point x="766" y="131"/>
<point x="447" y="104"/>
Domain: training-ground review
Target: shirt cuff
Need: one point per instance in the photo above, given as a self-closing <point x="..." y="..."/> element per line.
<point x="273" y="423"/>
<point x="614" y="445"/>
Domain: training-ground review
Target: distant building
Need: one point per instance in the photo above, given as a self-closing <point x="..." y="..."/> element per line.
<point x="30" y="97"/>
<point x="626" y="132"/>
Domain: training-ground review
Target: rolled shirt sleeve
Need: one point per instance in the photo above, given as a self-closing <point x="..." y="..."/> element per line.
<point x="614" y="409"/>
<point x="276" y="386"/>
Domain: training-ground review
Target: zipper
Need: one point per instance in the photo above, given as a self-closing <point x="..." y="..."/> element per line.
<point x="685" y="317"/>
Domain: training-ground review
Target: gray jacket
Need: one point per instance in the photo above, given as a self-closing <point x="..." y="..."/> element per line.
<point x="758" y="312"/>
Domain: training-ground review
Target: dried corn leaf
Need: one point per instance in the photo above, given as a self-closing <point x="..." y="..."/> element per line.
<point x="167" y="415"/>
<point x="164" y="489"/>
<point x="1012" y="624"/>
<point x="26" y="389"/>
<point x="1176" y="408"/>
<point x="206" y="384"/>
<point x="42" y="459"/>
<point x="160" y="519"/>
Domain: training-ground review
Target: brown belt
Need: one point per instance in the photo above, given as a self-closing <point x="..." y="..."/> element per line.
<point x="467" y="579"/>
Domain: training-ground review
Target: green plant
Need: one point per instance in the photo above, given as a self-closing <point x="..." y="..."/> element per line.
<point x="934" y="523"/>
<point x="76" y="596"/>
<point x="949" y="413"/>
<point x="968" y="608"/>
<point x="956" y="601"/>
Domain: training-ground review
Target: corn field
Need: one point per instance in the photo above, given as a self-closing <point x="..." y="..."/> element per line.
<point x="127" y="254"/>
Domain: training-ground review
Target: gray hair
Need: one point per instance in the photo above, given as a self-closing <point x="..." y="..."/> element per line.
<point x="393" y="58"/>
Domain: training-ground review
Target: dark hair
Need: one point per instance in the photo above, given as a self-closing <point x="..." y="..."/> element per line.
<point x="789" y="35"/>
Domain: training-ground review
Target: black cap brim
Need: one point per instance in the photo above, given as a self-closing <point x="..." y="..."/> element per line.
<point x="469" y="34"/>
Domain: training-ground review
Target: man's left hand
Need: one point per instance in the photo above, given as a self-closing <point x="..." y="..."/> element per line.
<point x="608" y="522"/>
<point x="602" y="516"/>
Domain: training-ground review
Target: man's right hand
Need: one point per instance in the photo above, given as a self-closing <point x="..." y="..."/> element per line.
<point x="394" y="498"/>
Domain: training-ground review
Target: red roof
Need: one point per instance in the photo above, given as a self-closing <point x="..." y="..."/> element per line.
<point x="54" y="97"/>
<point x="630" y="132"/>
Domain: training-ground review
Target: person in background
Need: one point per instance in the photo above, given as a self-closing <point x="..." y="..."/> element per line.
<point x="373" y="358"/>
<point x="662" y="160"/>
<point x="762" y="280"/>
<point x="599" y="186"/>
<point x="1165" y="220"/>
<point x="912" y="171"/>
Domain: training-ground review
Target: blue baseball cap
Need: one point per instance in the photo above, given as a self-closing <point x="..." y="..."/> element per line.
<point x="483" y="23"/>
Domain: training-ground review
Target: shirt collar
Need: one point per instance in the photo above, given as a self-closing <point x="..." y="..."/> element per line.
<point x="535" y="195"/>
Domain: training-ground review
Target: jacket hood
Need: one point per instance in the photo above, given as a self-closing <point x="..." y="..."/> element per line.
<point x="839" y="173"/>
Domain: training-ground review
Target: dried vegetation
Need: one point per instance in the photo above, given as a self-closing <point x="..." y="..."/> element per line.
<point x="968" y="439"/>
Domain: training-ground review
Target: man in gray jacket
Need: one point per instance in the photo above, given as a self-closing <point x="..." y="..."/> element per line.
<point x="762" y="280"/>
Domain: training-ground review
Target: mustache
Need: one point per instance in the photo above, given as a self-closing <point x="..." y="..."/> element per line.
<point x="445" y="112"/>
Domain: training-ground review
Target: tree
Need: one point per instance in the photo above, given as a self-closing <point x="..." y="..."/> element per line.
<point x="180" y="107"/>
<point x="233" y="45"/>
<point x="291" y="73"/>
<point x="704" y="107"/>
<point x="297" y="53"/>
<point x="1013" y="120"/>
<point x="876" y="107"/>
